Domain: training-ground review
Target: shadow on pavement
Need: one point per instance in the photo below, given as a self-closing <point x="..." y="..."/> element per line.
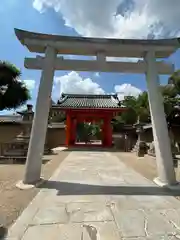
<point x="66" y="188"/>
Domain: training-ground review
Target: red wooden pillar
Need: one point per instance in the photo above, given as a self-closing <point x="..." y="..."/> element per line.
<point x="68" y="129"/>
<point x="73" y="131"/>
<point x="107" y="132"/>
<point x="103" y="128"/>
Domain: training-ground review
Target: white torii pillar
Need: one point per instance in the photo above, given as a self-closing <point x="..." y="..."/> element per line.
<point x="166" y="173"/>
<point x="40" y="122"/>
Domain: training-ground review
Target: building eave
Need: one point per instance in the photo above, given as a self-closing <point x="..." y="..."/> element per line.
<point x="56" y="107"/>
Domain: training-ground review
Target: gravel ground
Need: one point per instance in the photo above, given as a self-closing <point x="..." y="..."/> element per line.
<point x="13" y="200"/>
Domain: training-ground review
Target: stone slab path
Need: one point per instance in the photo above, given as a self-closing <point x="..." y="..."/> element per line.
<point x="94" y="196"/>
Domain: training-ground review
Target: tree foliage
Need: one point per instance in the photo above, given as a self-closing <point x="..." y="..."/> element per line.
<point x="129" y="116"/>
<point x="175" y="79"/>
<point x="13" y="92"/>
<point x="138" y="107"/>
<point x="86" y="130"/>
<point x="83" y="131"/>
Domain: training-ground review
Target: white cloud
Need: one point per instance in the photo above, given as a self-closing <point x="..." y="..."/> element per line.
<point x="97" y="74"/>
<point x="126" y="89"/>
<point x="30" y="84"/>
<point x="74" y="83"/>
<point x="119" y="18"/>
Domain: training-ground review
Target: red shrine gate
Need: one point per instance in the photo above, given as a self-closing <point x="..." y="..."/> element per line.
<point x="78" y="116"/>
<point x="89" y="108"/>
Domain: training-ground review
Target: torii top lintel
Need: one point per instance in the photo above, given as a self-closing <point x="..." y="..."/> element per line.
<point x="37" y="42"/>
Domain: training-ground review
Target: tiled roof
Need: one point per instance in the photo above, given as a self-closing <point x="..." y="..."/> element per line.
<point x="88" y="101"/>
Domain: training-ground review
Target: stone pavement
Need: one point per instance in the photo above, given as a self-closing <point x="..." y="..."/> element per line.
<point x="94" y="196"/>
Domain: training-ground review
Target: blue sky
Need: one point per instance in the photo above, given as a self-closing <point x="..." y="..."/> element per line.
<point x="61" y="18"/>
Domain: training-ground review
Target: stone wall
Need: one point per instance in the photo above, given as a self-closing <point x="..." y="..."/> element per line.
<point x="55" y="137"/>
<point x="8" y="132"/>
<point x="124" y="142"/>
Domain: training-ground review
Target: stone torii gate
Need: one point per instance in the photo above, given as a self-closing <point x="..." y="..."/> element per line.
<point x="52" y="45"/>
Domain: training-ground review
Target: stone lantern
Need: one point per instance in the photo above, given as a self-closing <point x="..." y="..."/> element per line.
<point x="141" y="146"/>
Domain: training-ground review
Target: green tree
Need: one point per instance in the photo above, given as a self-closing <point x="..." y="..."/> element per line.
<point x="13" y="93"/>
<point x="169" y="90"/>
<point x="83" y="131"/>
<point x="170" y="98"/>
<point x="142" y="107"/>
<point x="137" y="108"/>
<point x="175" y="80"/>
<point x="130" y="115"/>
<point x="95" y="130"/>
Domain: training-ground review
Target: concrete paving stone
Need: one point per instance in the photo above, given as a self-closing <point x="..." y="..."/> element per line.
<point x="157" y="224"/>
<point x="54" y="213"/>
<point x="139" y="180"/>
<point x="79" y="198"/>
<point x="153" y="238"/>
<point x="175" y="203"/>
<point x="129" y="172"/>
<point x="124" y="202"/>
<point x="80" y="177"/>
<point x="97" y="154"/>
<point x="82" y="182"/>
<point x="116" y="197"/>
<point x="70" y="173"/>
<point x="82" y="188"/>
<point x="98" y="231"/>
<point x="72" y="166"/>
<point x="44" y="232"/>
<point x="136" y="238"/>
<point x="105" y="168"/>
<point x="111" y="178"/>
<point x="89" y="231"/>
<point x="59" y="210"/>
<point x="70" y="232"/>
<point x="80" y="158"/>
<point x="163" y="237"/>
<point x="130" y="222"/>
<point x="80" y="161"/>
<point x="21" y="224"/>
<point x="110" y="169"/>
<point x="152" y="202"/>
<point x="172" y="215"/>
<point x="112" y="182"/>
<point x="89" y="212"/>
